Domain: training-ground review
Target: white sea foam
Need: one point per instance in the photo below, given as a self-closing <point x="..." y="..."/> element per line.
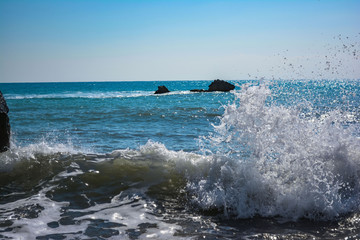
<point x="31" y="228"/>
<point x="32" y="151"/>
<point x="130" y="212"/>
<point x="269" y="161"/>
<point x="115" y="94"/>
<point x="273" y="161"/>
<point x="93" y="95"/>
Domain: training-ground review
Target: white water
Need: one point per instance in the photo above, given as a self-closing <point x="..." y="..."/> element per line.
<point x="94" y="95"/>
<point x="115" y="94"/>
<point x="125" y="212"/>
<point x="32" y="151"/>
<point x="276" y="161"/>
<point x="128" y="213"/>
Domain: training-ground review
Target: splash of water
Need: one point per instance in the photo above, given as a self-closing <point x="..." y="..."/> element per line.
<point x="273" y="160"/>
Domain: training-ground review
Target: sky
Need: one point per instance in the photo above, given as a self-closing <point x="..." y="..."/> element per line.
<point x="108" y="40"/>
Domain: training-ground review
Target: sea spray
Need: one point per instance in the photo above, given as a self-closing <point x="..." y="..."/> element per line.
<point x="272" y="160"/>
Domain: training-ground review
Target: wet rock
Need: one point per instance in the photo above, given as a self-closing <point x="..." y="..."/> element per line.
<point x="162" y="89"/>
<point x="221" y="86"/>
<point x="4" y="125"/>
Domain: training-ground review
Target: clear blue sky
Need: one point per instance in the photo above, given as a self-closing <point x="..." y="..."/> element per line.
<point x="62" y="40"/>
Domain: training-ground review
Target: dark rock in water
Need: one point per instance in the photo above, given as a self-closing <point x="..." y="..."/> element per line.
<point x="162" y="89"/>
<point x="4" y="125"/>
<point x="198" y="90"/>
<point x="3" y="106"/>
<point x="220" y="85"/>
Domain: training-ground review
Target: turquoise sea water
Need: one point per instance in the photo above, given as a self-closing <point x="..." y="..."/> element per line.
<point x="103" y="117"/>
<point x="110" y="160"/>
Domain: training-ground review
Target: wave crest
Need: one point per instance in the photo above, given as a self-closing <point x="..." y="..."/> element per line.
<point x="276" y="161"/>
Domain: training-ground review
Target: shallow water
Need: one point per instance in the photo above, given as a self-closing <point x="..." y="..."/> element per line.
<point x="270" y="160"/>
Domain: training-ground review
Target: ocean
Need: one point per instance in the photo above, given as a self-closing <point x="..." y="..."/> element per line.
<point x="111" y="160"/>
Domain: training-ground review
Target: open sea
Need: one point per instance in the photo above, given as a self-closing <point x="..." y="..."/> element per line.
<point x="112" y="160"/>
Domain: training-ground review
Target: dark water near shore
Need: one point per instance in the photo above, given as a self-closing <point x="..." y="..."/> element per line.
<point x="270" y="160"/>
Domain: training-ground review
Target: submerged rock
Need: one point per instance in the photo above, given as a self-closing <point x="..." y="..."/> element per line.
<point x="220" y="85"/>
<point x="162" y="89"/>
<point x="4" y="125"/>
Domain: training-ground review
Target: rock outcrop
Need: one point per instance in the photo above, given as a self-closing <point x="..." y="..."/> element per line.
<point x="162" y="89"/>
<point x="4" y="125"/>
<point x="217" y="86"/>
<point x="221" y="86"/>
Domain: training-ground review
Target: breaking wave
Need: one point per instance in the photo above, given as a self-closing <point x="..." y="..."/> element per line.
<point x="271" y="160"/>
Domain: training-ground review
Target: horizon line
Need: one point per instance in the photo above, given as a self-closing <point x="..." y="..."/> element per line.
<point x="172" y="80"/>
